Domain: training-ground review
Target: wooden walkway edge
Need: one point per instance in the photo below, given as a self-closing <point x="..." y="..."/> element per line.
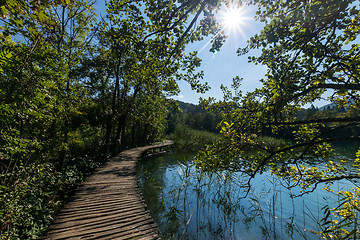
<point x="109" y="204"/>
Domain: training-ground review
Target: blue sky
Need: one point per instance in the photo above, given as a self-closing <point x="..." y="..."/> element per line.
<point x="222" y="67"/>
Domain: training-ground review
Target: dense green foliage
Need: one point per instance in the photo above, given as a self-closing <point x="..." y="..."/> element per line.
<point x="191" y="127"/>
<point x="76" y="88"/>
<point x="189" y="139"/>
<point x="192" y="116"/>
<point x="42" y="148"/>
<point x="310" y="49"/>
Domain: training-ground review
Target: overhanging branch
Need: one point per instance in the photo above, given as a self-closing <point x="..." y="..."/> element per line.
<point x="181" y="39"/>
<point x="325" y="120"/>
<point x="334" y="86"/>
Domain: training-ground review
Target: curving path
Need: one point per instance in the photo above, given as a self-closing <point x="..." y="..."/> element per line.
<point x="109" y="204"/>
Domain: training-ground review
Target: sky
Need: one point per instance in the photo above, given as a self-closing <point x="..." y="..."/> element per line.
<point x="223" y="66"/>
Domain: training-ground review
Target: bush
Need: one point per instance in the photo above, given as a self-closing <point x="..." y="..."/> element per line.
<point x="31" y="193"/>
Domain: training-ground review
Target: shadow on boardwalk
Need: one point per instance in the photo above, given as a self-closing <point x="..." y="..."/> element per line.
<point x="109" y="204"/>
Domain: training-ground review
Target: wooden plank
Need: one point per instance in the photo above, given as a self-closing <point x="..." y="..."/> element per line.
<point x="113" y="208"/>
<point x="113" y="216"/>
<point x="97" y="213"/>
<point x="96" y="224"/>
<point x="111" y="203"/>
<point x="102" y="229"/>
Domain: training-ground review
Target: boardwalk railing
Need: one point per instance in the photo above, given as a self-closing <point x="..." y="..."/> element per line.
<point x="109" y="204"/>
<point x="159" y="149"/>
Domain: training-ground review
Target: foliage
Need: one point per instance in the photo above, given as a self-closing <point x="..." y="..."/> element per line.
<point x="41" y="43"/>
<point x="148" y="121"/>
<point x="310" y="49"/>
<point x="187" y="139"/>
<point x="193" y="116"/>
<point x="139" y="58"/>
<point x="29" y="198"/>
<point x="76" y="88"/>
<point x="343" y="223"/>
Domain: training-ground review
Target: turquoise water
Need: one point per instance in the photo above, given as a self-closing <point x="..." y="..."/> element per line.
<point x="189" y="205"/>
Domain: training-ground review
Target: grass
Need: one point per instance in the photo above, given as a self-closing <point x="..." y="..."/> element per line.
<point x="187" y="139"/>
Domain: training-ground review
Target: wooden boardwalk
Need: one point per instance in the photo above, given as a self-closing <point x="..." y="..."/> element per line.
<point x="109" y="204"/>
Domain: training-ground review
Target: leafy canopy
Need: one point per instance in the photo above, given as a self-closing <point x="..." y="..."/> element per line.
<point x="311" y="50"/>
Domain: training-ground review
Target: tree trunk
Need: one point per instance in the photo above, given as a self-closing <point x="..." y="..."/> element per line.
<point x="119" y="141"/>
<point x="107" y="138"/>
<point x="144" y="142"/>
<point x="133" y="129"/>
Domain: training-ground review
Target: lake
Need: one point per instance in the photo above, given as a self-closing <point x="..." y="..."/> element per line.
<point x="186" y="204"/>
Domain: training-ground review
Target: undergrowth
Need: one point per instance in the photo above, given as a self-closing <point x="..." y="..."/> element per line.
<point x="32" y="193"/>
<point x="187" y="139"/>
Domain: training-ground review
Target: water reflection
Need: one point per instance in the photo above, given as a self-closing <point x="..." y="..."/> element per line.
<point x="187" y="204"/>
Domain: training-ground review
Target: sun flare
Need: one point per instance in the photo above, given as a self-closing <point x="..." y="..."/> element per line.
<point x="232" y="18"/>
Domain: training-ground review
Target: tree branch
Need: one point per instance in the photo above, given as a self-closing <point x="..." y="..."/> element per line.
<point x="330" y="179"/>
<point x="174" y="24"/>
<point x="346" y="86"/>
<point x="325" y="120"/>
<point x="181" y="39"/>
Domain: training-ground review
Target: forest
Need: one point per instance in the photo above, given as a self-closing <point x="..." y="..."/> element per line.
<point x="77" y="86"/>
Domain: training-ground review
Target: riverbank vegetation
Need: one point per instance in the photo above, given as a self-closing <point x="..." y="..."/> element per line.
<point x="188" y="139"/>
<point x="191" y="127"/>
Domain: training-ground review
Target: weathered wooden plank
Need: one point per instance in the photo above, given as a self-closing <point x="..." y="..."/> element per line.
<point x="94" y="214"/>
<point x="139" y="233"/>
<point x="113" y="216"/>
<point x="85" y="206"/>
<point x="94" y="196"/>
<point x="104" y="191"/>
<point x="132" y="234"/>
<point x="91" y="212"/>
<point x="103" y="229"/>
<point x="98" y="223"/>
<point x="108" y="205"/>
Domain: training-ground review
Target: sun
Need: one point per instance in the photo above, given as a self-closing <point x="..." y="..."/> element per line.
<point x="232" y="18"/>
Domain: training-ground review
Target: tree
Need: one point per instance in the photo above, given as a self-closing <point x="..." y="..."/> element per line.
<point x="310" y="48"/>
<point x="67" y="81"/>
<point x="39" y="94"/>
<point x="142" y="44"/>
<point x="41" y="43"/>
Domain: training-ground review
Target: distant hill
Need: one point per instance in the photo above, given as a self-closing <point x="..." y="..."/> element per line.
<point x="329" y="106"/>
<point x="189" y="107"/>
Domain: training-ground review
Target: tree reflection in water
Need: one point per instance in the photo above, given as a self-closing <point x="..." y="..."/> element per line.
<point x="189" y="204"/>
